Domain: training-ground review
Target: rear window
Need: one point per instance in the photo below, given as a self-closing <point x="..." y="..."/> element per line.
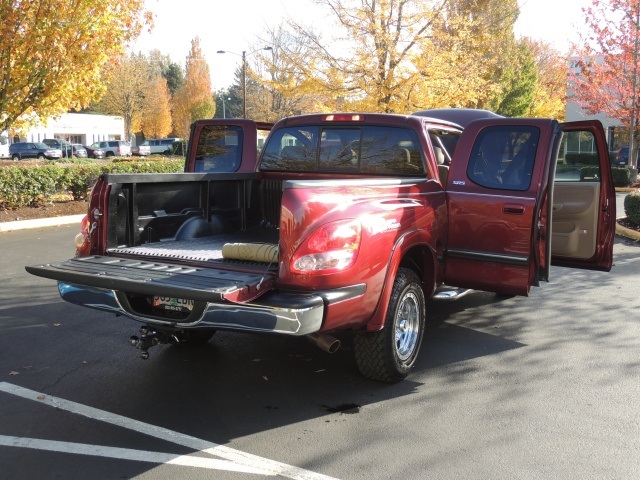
<point x="219" y="149"/>
<point x="363" y="149"/>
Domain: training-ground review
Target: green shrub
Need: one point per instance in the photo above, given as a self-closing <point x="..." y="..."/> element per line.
<point x="589" y="173"/>
<point x="621" y="176"/>
<point x="32" y="185"/>
<point x="581" y="159"/>
<point x="632" y="207"/>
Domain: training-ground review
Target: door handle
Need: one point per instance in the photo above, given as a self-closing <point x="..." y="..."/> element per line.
<point x="513" y="209"/>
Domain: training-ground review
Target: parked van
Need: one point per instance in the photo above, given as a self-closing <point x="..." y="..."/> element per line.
<point x="160" y="145"/>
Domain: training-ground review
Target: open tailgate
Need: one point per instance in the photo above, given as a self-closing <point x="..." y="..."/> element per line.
<point x="157" y="278"/>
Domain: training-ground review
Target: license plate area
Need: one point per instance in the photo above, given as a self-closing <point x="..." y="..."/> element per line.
<point x="170" y="304"/>
<point x="159" y="307"/>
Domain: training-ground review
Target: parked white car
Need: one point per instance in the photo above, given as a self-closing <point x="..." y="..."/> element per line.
<point x="160" y="145"/>
<point x="118" y="148"/>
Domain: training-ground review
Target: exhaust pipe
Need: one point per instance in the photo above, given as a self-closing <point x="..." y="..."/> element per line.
<point x="325" y="342"/>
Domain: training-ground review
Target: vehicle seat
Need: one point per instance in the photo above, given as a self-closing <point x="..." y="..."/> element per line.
<point x="443" y="170"/>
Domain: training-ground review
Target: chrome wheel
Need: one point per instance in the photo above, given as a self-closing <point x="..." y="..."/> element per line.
<point x="407" y="326"/>
<point x="390" y="354"/>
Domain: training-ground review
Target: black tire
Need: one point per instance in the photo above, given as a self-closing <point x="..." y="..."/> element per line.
<point x="40" y="156"/>
<point x="15" y="157"/>
<point x="388" y="355"/>
<point x="193" y="338"/>
<point x="110" y="154"/>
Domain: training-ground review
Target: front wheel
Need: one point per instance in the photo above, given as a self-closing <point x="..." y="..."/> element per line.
<point x="40" y="156"/>
<point x="15" y="157"/>
<point x="389" y="354"/>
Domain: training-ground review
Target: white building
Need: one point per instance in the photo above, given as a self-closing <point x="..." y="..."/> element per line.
<point x="80" y="128"/>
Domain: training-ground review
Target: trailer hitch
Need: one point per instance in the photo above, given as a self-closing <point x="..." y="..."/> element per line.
<point x="149" y="338"/>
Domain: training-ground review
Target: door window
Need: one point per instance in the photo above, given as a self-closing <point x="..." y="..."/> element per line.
<point x="578" y="158"/>
<point x="503" y="157"/>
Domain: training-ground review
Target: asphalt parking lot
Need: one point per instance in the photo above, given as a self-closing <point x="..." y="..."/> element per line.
<point x="538" y="387"/>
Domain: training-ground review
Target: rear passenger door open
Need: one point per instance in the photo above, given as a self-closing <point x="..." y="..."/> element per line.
<point x="583" y="211"/>
<point x="503" y="227"/>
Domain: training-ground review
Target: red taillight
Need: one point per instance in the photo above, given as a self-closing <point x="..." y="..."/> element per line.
<point x="344" y="117"/>
<point x="82" y="238"/>
<point x="331" y="248"/>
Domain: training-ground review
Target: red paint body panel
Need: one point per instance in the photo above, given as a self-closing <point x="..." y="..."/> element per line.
<point x="386" y="213"/>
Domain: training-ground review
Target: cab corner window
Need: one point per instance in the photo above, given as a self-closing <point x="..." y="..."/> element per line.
<point x="219" y="149"/>
<point x="578" y="158"/>
<point x="503" y="157"/>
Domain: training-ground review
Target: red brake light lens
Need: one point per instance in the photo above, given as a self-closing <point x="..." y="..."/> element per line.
<point x="333" y="247"/>
<point x="82" y="238"/>
<point x="344" y="117"/>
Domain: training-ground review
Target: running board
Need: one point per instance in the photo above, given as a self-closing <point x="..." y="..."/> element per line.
<point x="449" y="294"/>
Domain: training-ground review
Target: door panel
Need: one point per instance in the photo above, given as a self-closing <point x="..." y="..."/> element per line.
<point x="498" y="170"/>
<point x="584" y="211"/>
<point x="575" y="219"/>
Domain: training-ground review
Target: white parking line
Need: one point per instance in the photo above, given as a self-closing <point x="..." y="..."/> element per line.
<point x="126" y="454"/>
<point x="264" y="465"/>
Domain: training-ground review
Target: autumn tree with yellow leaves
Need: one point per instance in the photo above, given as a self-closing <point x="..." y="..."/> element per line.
<point x="194" y="99"/>
<point x="52" y="54"/>
<point x="127" y="83"/>
<point x="403" y="55"/>
<point x="155" y="120"/>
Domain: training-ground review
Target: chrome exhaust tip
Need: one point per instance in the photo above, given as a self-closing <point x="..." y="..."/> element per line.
<point x="325" y="342"/>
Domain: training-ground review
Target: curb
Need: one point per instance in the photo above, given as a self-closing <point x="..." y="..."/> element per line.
<point x="627" y="232"/>
<point x="40" y="222"/>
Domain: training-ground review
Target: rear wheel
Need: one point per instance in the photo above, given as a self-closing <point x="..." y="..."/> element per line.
<point x="389" y="354"/>
<point x="15" y="157"/>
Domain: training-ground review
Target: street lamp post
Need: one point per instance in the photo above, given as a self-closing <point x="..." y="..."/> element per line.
<point x="244" y="75"/>
<point x="224" y="108"/>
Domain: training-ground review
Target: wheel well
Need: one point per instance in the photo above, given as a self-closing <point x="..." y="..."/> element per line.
<point x="421" y="260"/>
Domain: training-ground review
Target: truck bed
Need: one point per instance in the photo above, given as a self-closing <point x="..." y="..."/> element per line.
<point x="204" y="249"/>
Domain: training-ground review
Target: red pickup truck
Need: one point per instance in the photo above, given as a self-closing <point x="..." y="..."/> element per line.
<point x="348" y="223"/>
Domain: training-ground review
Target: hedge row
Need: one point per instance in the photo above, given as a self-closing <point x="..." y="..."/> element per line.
<point x="621" y="176"/>
<point x="23" y="185"/>
<point x="581" y="159"/>
<point x="632" y="207"/>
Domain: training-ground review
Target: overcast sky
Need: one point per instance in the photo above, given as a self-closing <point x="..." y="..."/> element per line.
<point x="233" y="25"/>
